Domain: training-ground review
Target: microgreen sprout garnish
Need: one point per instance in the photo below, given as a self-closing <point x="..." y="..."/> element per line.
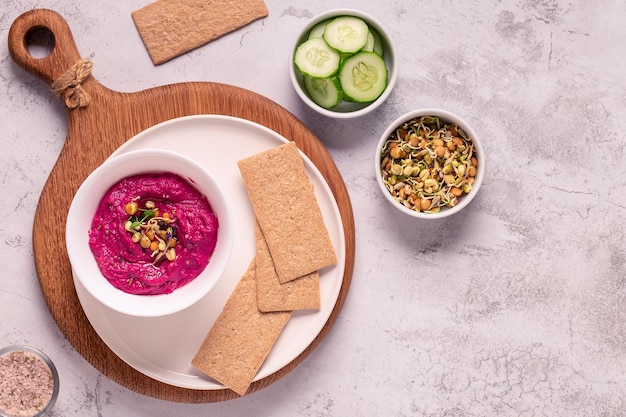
<point x="152" y="230"/>
<point x="427" y="164"/>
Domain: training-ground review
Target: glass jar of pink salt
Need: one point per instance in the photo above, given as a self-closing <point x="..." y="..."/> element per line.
<point x="29" y="382"/>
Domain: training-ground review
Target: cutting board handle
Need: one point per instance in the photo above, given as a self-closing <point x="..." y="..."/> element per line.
<point x="61" y="58"/>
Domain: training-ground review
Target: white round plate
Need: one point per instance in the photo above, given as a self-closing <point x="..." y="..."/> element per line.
<point x="162" y="348"/>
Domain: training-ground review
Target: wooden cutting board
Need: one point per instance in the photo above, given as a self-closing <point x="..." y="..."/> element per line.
<point x="98" y="129"/>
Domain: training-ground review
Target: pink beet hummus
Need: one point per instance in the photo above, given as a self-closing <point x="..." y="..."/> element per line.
<point x="133" y="269"/>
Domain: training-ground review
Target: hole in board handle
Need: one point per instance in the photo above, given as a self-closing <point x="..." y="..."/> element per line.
<point x="39" y="42"/>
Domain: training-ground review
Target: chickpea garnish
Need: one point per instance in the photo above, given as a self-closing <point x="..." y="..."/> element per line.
<point x="144" y="242"/>
<point x="151" y="231"/>
<point x="131" y="208"/>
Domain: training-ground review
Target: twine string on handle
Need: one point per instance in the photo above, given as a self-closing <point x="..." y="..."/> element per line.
<point x="69" y="85"/>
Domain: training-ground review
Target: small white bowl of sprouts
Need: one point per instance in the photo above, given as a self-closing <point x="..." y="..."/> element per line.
<point x="429" y="163"/>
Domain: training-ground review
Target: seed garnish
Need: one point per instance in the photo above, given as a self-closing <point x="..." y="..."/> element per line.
<point x="152" y="230"/>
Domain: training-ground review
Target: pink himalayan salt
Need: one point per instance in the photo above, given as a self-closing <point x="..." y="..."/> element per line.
<point x="26" y="384"/>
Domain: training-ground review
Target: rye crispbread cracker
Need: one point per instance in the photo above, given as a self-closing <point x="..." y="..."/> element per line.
<point x="170" y="28"/>
<point x="299" y="294"/>
<point x="287" y="210"/>
<point x="241" y="337"/>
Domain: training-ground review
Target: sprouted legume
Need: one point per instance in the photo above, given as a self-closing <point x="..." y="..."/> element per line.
<point x="428" y="164"/>
<point x="152" y="230"/>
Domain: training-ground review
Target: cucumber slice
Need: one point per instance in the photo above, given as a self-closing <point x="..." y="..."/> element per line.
<point x="369" y="45"/>
<point x="318" y="30"/>
<point x="363" y="77"/>
<point x="316" y="59"/>
<point x="346" y="34"/>
<point x="378" y="44"/>
<point x="323" y="91"/>
<point x="373" y="44"/>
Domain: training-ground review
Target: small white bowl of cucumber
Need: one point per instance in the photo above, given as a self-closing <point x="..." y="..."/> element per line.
<point x="343" y="64"/>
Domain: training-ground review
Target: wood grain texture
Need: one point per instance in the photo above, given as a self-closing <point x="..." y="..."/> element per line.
<point x="97" y="130"/>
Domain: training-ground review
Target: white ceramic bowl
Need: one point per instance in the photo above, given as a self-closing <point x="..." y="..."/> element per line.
<point x="83" y="208"/>
<point x="345" y="109"/>
<point x="446" y="116"/>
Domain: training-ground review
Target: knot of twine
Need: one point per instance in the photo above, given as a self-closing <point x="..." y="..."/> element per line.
<point x="68" y="86"/>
